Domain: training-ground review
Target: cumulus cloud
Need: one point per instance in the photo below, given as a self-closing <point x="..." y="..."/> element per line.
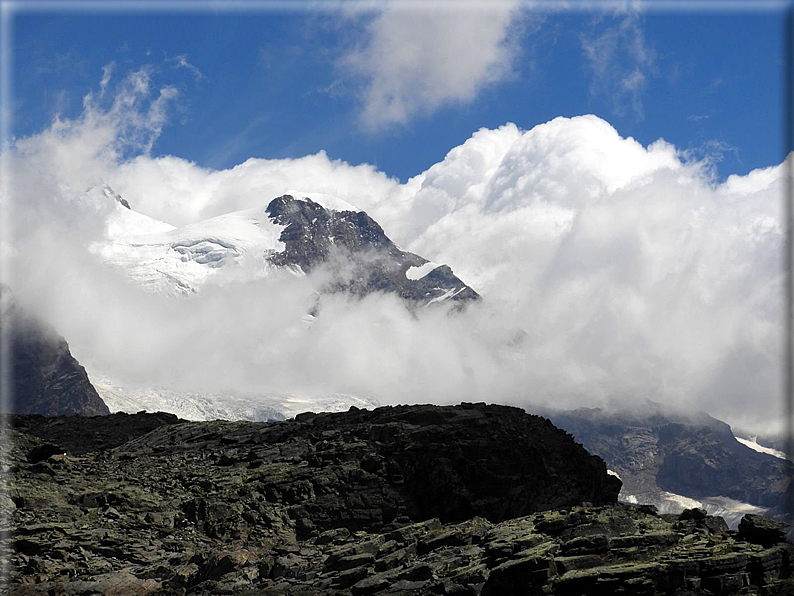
<point x="416" y="61"/>
<point x="634" y="274"/>
<point x="620" y="60"/>
<point x="179" y="192"/>
<point x="609" y="270"/>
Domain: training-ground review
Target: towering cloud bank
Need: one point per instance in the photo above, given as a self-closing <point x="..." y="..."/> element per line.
<point x="609" y="270"/>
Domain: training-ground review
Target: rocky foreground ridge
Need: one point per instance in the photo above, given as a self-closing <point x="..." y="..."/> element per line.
<point x="471" y="499"/>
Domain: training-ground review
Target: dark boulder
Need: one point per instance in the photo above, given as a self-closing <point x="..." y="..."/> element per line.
<point x="762" y="530"/>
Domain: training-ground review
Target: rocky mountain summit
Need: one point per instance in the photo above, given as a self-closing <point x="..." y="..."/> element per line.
<point x="359" y="255"/>
<point x="45" y="377"/>
<point x="471" y="499"/>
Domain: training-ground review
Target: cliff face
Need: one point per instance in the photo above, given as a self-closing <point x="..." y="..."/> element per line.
<point x="470" y="499"/>
<point x="45" y="377"/>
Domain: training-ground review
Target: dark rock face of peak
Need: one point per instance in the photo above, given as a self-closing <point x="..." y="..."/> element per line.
<point x="333" y="504"/>
<point x="361" y="258"/>
<point x="45" y="377"/>
<point x="109" y="192"/>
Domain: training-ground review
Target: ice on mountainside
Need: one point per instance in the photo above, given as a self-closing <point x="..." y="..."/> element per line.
<point x="129" y="397"/>
<point x="420" y="271"/>
<point x="731" y="510"/>
<point x="178" y="261"/>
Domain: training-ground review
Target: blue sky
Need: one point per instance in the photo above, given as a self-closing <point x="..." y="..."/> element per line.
<point x="281" y="83"/>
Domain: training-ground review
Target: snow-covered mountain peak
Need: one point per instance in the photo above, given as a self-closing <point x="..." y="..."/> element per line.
<point x="120" y="221"/>
<point x="293" y="235"/>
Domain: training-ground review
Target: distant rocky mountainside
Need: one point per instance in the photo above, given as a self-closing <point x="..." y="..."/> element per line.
<point x="45" y="377"/>
<point x="298" y="233"/>
<point x="655" y="451"/>
<point x="360" y="256"/>
<point x="470" y="499"/>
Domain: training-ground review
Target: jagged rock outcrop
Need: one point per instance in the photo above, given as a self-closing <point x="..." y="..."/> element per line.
<point x="359" y="255"/>
<point x="311" y="507"/>
<point x="45" y="377"/>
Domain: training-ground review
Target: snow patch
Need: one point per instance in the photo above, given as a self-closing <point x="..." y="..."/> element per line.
<point x="673" y="503"/>
<point x="731" y="510"/>
<point x="447" y="295"/>
<point x="415" y="273"/>
<point x="753" y="444"/>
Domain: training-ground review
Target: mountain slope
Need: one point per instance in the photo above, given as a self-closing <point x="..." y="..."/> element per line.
<point x="402" y="500"/>
<point x="45" y="377"/>
<point x="664" y="457"/>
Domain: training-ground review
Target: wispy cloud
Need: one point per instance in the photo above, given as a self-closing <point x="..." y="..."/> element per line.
<point x="709" y="153"/>
<point x="713" y="85"/>
<point x="620" y="60"/>
<point x="107" y="71"/>
<point x="181" y="62"/>
<point x="414" y="62"/>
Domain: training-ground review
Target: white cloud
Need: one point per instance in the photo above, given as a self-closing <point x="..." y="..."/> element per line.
<point x="634" y="275"/>
<point x="178" y="192"/>
<point x="609" y="270"/>
<point x="416" y="61"/>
